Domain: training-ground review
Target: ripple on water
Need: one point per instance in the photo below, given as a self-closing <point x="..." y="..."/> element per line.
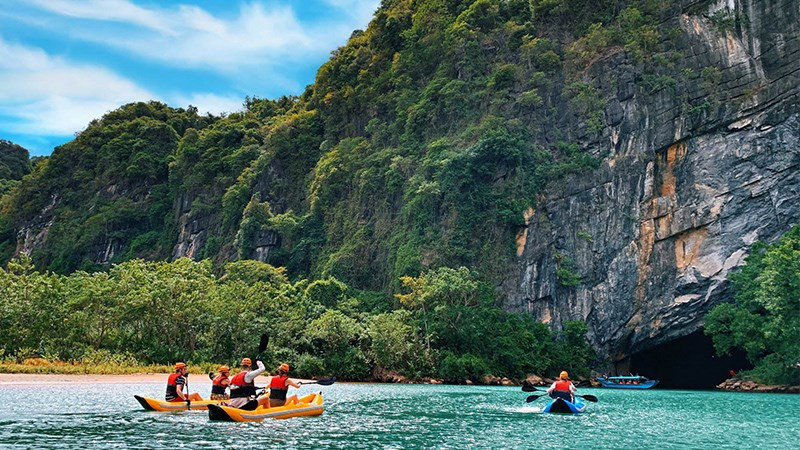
<point x="406" y="416"/>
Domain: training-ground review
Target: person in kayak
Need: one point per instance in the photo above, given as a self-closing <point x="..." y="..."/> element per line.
<point x="563" y="388"/>
<point x="220" y="383"/>
<point x="176" y="383"/>
<point x="243" y="387"/>
<point x="279" y="386"/>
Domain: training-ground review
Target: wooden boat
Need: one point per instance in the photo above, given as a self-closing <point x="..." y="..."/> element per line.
<point x="627" y="382"/>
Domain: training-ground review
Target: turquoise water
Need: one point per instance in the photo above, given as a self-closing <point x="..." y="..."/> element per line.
<point x="404" y="416"/>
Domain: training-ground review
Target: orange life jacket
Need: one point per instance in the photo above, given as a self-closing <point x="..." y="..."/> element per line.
<point x="217" y="387"/>
<point x="563" y="385"/>
<point x="241" y="388"/>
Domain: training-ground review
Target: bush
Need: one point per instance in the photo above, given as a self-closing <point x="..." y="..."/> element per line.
<point x="764" y="317"/>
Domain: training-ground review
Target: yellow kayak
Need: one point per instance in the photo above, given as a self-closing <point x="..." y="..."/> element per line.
<point x="309" y="405"/>
<point x="154" y="404"/>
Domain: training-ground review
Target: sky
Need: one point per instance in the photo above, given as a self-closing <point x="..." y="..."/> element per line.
<point x="66" y="62"/>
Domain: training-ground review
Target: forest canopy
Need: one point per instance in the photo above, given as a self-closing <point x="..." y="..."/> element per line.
<point x="446" y="325"/>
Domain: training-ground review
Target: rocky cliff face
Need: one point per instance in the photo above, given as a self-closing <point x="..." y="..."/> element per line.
<point x="692" y="175"/>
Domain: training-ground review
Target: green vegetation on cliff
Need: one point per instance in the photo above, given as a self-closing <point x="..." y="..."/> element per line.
<point x="445" y="325"/>
<point x="413" y="155"/>
<point x="764" y="318"/>
<point x="419" y="146"/>
<point x="14" y="162"/>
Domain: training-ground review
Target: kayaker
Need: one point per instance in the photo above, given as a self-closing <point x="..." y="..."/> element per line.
<point x="563" y="388"/>
<point x="279" y="386"/>
<point x="176" y="383"/>
<point x="220" y="383"/>
<point x="243" y="387"/>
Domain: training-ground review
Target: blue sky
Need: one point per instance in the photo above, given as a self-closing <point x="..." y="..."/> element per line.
<point x="66" y="62"/>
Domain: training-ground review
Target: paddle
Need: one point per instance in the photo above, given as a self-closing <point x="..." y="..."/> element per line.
<point x="533" y="397"/>
<point x="322" y="382"/>
<point x="188" y="400"/>
<point x="262" y="345"/>
<point x="587" y="397"/>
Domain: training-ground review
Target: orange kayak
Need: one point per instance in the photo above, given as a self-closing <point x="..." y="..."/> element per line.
<point x="309" y="405"/>
<point x="154" y="404"/>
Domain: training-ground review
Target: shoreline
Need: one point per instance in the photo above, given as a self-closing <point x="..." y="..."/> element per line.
<point x="743" y="385"/>
<point x="16" y="378"/>
<point x="7" y="379"/>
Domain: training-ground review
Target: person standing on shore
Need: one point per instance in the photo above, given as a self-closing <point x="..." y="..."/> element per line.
<point x="176" y="383"/>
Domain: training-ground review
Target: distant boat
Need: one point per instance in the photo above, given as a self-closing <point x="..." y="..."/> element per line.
<point x="629" y="382"/>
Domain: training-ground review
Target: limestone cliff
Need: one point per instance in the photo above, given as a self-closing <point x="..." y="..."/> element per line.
<point x="682" y="192"/>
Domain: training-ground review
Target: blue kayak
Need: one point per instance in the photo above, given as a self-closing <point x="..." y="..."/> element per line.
<point x="559" y="405"/>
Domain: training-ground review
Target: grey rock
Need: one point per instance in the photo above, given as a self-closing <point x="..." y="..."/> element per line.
<point x="677" y="205"/>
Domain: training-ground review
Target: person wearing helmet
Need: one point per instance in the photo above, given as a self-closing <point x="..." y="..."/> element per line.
<point x="220" y="383"/>
<point x="176" y="383"/>
<point x="243" y="387"/>
<point x="279" y="386"/>
<point x="563" y="388"/>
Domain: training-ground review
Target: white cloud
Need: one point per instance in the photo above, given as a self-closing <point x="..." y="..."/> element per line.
<point x="50" y="96"/>
<point x="113" y="10"/>
<point x="189" y="36"/>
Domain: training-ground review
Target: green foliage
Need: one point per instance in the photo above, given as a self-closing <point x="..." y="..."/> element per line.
<point x="634" y="29"/>
<point x="585" y="101"/>
<point x="142" y="312"/>
<point x="466" y="336"/>
<point x="418" y="147"/>
<point x="14" y="161"/>
<point x="726" y="20"/>
<point x="764" y="318"/>
<point x="255" y="219"/>
<point x="574" y="353"/>
<point x="656" y="83"/>
<point x="566" y="272"/>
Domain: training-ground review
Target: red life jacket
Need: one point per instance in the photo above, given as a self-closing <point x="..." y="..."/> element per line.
<point x="217" y="387"/>
<point x="279" y="382"/>
<point x="241" y="388"/>
<point x="278" y="387"/>
<point x="563" y="385"/>
<point x="173" y="381"/>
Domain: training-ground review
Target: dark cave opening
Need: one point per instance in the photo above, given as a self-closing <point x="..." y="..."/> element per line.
<point x="688" y="362"/>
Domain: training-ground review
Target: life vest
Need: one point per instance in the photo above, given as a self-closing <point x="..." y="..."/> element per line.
<point x="173" y="381"/>
<point x="278" y="387"/>
<point x="562" y="390"/>
<point x="240" y="388"/>
<point x="217" y="387"/>
<point x="563" y="385"/>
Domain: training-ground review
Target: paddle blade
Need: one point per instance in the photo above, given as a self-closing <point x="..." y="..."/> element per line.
<point x="589" y="397"/>
<point x="262" y="345"/>
<point x="211" y="376"/>
<point x="532" y="398"/>
<point x="326" y="381"/>
<point x="527" y="388"/>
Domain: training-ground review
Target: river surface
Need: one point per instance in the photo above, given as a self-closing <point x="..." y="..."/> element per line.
<point x="403" y="416"/>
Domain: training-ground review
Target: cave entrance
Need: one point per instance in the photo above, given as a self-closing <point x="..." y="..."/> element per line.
<point x="688" y="362"/>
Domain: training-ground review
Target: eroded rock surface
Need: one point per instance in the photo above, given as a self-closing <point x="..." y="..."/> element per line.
<point x="682" y="193"/>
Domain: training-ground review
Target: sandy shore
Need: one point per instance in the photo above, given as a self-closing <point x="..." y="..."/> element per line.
<point x="36" y="378"/>
<point x="27" y="378"/>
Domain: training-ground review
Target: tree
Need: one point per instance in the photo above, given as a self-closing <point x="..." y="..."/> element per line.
<point x="764" y="317"/>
